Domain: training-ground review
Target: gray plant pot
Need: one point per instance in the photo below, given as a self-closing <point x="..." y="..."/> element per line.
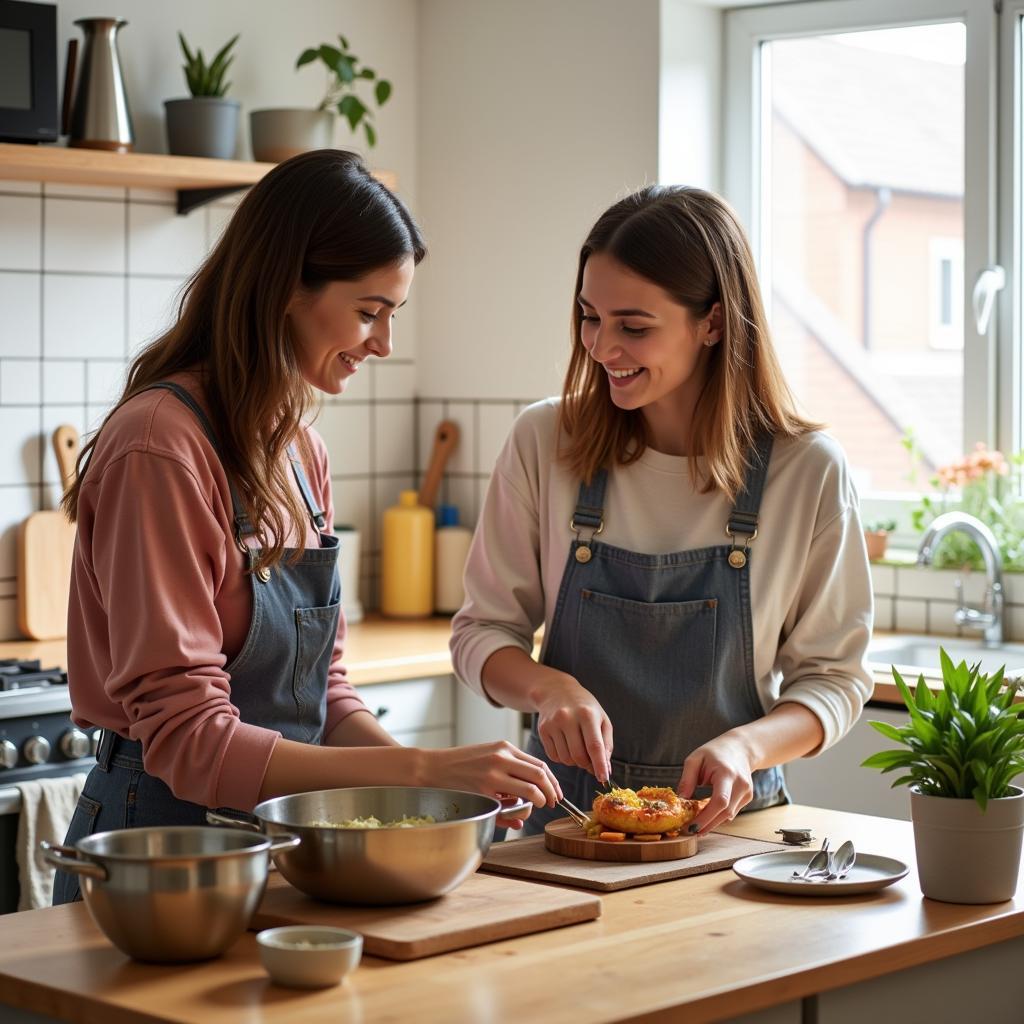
<point x="284" y="132"/>
<point x="965" y="855"/>
<point x="202" y="126"/>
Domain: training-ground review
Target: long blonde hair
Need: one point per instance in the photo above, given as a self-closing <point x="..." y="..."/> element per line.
<point x="691" y="244"/>
<point x="316" y="218"/>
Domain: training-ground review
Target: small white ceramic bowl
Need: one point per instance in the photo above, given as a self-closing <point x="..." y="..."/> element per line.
<point x="307" y="956"/>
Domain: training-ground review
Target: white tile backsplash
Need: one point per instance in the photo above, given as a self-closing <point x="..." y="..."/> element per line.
<point x="393" y="431"/>
<point x="495" y="423"/>
<point x="62" y="189"/>
<point x="83" y="237"/>
<point x="162" y="242"/>
<point x="21" y="237"/>
<point x="19" y="446"/>
<point x="83" y="317"/>
<point x="345" y="429"/>
<point x="63" y="382"/>
<point x="20" y="309"/>
<point x="910" y="616"/>
<point x="105" y="381"/>
<point x="394" y="380"/>
<point x="462" y="459"/>
<point x="352" y="505"/>
<point x="152" y="308"/>
<point x="428" y="415"/>
<point x="19" y="381"/>
<point x="33" y="188"/>
<point x="16" y="505"/>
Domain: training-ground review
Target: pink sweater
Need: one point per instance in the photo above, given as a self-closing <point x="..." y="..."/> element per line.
<point x="160" y="604"/>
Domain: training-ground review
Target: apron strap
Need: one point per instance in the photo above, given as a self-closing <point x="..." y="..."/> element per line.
<point x="316" y="514"/>
<point x="589" y="509"/>
<point x="743" y="517"/>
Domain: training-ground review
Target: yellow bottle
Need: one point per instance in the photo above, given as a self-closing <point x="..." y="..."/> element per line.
<point x="407" y="559"/>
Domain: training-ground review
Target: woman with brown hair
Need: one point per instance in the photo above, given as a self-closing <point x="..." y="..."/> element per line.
<point x="204" y="633"/>
<point x="690" y="543"/>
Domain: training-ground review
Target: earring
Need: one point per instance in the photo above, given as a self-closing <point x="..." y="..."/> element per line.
<point x="709" y="343"/>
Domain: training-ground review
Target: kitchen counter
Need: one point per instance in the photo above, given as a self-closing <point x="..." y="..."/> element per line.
<point x="377" y="650"/>
<point x="707" y="948"/>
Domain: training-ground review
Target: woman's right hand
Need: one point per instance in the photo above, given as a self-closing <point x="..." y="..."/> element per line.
<point x="574" y="728"/>
<point x="499" y="769"/>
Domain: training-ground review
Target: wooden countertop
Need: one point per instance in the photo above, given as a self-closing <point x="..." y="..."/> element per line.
<point x="709" y="944"/>
<point x="377" y="650"/>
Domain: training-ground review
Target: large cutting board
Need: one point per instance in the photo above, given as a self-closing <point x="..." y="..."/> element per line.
<point x="46" y="544"/>
<point x="528" y="858"/>
<point x="485" y="908"/>
<point x="566" y="838"/>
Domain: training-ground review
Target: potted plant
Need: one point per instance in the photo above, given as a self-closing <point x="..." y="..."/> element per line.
<point x="876" y="536"/>
<point x="280" y="133"/>
<point x="959" y="752"/>
<point x="206" y="124"/>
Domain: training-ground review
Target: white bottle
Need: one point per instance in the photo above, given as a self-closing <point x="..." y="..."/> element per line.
<point x="451" y="546"/>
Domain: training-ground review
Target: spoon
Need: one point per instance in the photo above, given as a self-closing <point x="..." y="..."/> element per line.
<point x="818" y="862"/>
<point x="842" y="861"/>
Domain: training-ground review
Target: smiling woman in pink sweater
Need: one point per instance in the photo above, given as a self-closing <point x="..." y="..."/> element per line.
<point x="205" y="633"/>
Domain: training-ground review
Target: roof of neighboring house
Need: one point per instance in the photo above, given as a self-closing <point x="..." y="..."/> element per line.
<point x="877" y="119"/>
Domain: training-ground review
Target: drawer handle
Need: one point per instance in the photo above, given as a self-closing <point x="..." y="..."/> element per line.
<point x="380" y="712"/>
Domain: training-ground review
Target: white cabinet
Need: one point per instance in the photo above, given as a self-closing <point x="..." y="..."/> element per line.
<point x="835" y="779"/>
<point x="417" y="712"/>
<point x="478" y="721"/>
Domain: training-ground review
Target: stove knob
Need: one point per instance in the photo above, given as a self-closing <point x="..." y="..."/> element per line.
<point x="36" y="750"/>
<point x="8" y="754"/>
<point x="74" y="744"/>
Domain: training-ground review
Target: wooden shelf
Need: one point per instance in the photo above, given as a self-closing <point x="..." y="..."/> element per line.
<point x="197" y="180"/>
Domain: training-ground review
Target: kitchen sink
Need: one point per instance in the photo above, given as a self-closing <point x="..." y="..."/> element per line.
<point x="913" y="654"/>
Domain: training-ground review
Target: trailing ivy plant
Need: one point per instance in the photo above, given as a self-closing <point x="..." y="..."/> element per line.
<point x="207" y="79"/>
<point x="343" y="73"/>
<point x="963" y="741"/>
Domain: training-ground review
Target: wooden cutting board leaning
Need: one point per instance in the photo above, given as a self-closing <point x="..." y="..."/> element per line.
<point x="482" y="909"/>
<point x="528" y="858"/>
<point x="446" y="440"/>
<point x="46" y="543"/>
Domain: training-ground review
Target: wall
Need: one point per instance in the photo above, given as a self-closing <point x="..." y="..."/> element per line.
<point x="87" y="274"/>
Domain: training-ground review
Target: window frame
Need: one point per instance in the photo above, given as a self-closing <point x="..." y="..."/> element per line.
<point x="991" y="397"/>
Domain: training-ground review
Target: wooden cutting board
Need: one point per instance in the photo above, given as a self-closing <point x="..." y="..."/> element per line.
<point x="485" y="908"/>
<point x="528" y="858"/>
<point x="46" y="544"/>
<point x="565" y="837"/>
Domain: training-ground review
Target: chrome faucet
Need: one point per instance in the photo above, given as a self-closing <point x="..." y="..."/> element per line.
<point x="990" y="620"/>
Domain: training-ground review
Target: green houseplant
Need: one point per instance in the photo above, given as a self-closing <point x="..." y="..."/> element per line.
<point x="876" y="536"/>
<point x="281" y="133"/>
<point x="205" y="124"/>
<point x="959" y="752"/>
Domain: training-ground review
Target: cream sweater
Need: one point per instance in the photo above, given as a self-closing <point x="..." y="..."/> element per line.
<point x="810" y="580"/>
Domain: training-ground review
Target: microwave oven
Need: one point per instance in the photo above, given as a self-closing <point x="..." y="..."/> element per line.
<point x="28" y="72"/>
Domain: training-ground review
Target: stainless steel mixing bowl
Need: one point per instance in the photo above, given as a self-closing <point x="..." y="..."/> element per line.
<point x="378" y="866"/>
<point x="170" y="894"/>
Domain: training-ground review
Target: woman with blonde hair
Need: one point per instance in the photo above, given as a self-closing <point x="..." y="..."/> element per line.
<point x="205" y="634"/>
<point x="689" y="542"/>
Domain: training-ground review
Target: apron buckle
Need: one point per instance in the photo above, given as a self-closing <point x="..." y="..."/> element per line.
<point x="583" y="552"/>
<point x="738" y="556"/>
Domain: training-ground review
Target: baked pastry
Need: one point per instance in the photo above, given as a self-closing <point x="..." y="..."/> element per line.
<point x="648" y="811"/>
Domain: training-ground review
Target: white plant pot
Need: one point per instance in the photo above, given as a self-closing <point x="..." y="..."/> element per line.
<point x="964" y="854"/>
<point x="281" y="133"/>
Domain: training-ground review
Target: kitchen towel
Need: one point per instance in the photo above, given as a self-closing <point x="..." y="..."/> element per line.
<point x="46" y="809"/>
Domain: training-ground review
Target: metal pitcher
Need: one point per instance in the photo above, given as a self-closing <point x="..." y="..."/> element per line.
<point x="99" y="118"/>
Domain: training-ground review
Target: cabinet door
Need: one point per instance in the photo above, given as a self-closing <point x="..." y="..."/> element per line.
<point x="835" y="779"/>
<point x="479" y="721"/>
<point x="412" y="705"/>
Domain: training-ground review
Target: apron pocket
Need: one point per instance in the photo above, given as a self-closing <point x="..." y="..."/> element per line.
<point x="316" y="630"/>
<point x="651" y="666"/>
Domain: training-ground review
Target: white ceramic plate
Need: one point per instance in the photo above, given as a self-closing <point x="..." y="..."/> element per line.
<point x="774" y="871"/>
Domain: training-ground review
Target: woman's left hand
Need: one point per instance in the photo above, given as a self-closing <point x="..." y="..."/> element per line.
<point x="724" y="763"/>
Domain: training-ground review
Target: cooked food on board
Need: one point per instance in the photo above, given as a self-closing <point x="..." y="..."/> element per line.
<point x="646" y="814"/>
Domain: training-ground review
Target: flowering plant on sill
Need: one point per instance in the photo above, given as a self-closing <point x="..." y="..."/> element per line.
<point x="985" y="484"/>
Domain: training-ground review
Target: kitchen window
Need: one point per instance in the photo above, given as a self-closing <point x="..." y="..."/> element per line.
<point x="863" y="156"/>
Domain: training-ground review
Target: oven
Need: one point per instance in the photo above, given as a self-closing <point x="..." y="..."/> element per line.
<point x="37" y="740"/>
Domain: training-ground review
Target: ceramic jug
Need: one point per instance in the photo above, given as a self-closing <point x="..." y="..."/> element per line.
<point x="99" y="117"/>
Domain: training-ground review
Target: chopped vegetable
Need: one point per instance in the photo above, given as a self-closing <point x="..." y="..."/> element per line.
<point x="612" y="837"/>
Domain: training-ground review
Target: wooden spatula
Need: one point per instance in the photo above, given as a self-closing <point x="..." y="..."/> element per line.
<point x="46" y="543"/>
<point x="446" y="439"/>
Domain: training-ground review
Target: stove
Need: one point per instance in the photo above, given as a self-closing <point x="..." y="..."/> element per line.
<point x="37" y="736"/>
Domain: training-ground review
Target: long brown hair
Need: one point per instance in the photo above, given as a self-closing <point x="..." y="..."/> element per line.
<point x="691" y="243"/>
<point x="316" y="218"/>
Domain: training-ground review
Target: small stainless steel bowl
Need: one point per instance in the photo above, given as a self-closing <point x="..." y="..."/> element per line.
<point x="304" y="956"/>
<point x="171" y="894"/>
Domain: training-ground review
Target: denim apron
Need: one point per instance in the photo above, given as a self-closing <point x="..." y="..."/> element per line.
<point x="278" y="678"/>
<point x="665" y="644"/>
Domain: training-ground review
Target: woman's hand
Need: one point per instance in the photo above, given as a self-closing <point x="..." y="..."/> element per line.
<point x="498" y="769"/>
<point x="573" y="727"/>
<point x="725" y="764"/>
